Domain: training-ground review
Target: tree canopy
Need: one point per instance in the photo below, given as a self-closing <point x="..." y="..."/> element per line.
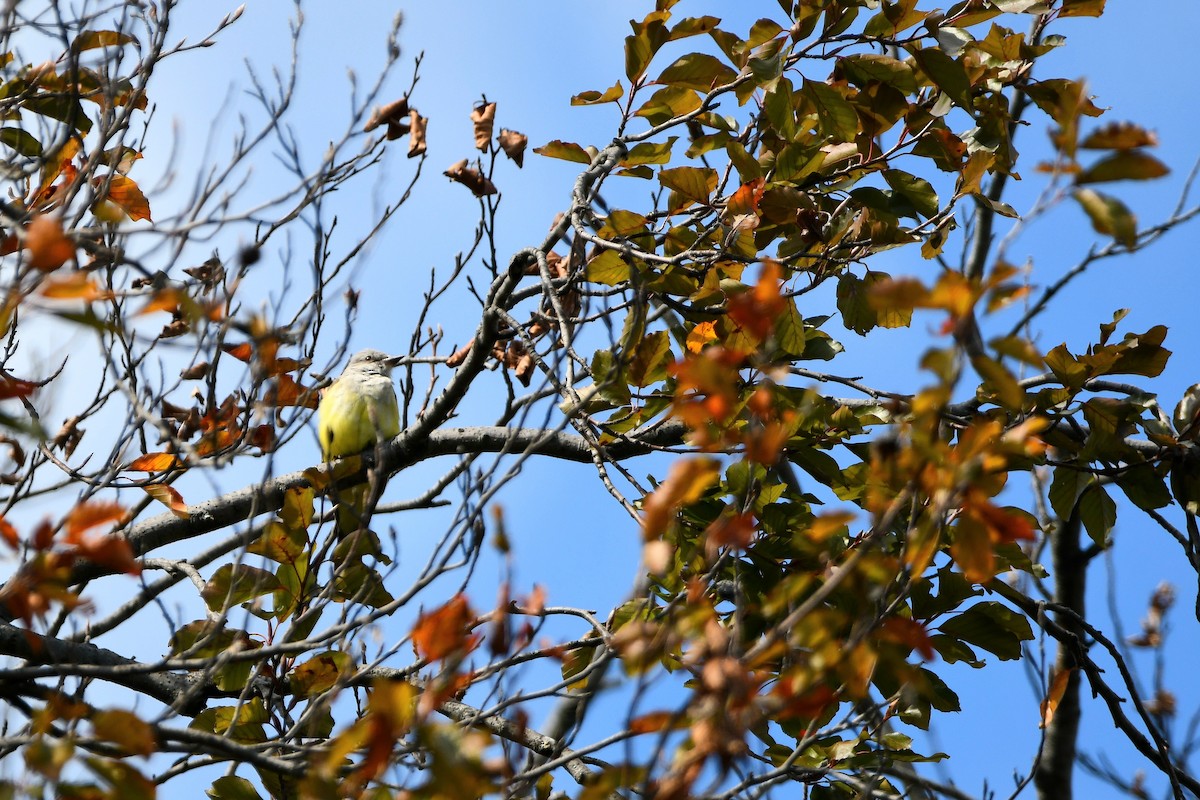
<point x="819" y="552"/>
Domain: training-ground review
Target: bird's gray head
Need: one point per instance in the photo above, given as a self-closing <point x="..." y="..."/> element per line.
<point x="372" y="361"/>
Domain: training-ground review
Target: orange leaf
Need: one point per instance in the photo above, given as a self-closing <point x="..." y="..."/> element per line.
<point x="908" y="632"/>
<point x="125" y="194"/>
<point x="9" y="533"/>
<point x="73" y="286"/>
<point x="651" y="723"/>
<point x="1058" y="687"/>
<point x="11" y="387"/>
<point x="242" y="352"/>
<point x="732" y="531"/>
<point x="169" y="497"/>
<point x="1002" y="524"/>
<point x="162" y="300"/>
<point x="444" y="631"/>
<point x="154" y="462"/>
<point x="287" y="392"/>
<point x="745" y="200"/>
<point x="108" y="550"/>
<point x="685" y="483"/>
<point x="89" y="514"/>
<point x="49" y="248"/>
<point x="703" y="334"/>
<point x="826" y="525"/>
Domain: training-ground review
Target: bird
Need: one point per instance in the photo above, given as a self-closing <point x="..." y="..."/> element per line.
<point x="358" y="411"/>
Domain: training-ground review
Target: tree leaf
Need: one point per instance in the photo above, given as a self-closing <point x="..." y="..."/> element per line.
<point x="592" y="97"/>
<point x="1123" y="165"/>
<point x="991" y="626"/>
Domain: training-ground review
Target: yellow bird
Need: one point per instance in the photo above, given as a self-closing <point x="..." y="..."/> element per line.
<point x="358" y="411"/>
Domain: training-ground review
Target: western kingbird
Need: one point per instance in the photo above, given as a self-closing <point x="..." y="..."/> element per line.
<point x="357" y="411"/>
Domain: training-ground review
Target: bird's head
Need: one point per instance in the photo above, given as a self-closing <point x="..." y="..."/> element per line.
<point x="373" y="361"/>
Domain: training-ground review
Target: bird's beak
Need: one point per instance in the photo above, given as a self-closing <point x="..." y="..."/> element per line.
<point x="394" y="361"/>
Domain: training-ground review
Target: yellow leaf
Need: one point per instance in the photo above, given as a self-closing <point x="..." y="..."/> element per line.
<point x="700" y="336"/>
<point x="1058" y="687"/>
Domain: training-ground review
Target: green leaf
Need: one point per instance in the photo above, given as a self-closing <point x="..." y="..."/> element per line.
<point x="608" y="268"/>
<point x="864" y="68"/>
<point x="232" y="584"/>
<point x="593" y="97"/>
<point x="1109" y="216"/>
<point x="1144" y="486"/>
<point x="21" y="141"/>
<point x="991" y="626"/>
<point x="568" y="151"/>
<point x="694" y="183"/>
<point x="1000" y="382"/>
<point x="837" y="118"/>
<point x="1081" y="8"/>
<point x="1065" y="488"/>
<point x="698" y="71"/>
<point x="691" y="26"/>
<point x="641" y="46"/>
<point x="917" y="191"/>
<point x="953" y="651"/>
<point x="947" y="74"/>
<point x="1067" y="368"/>
<point x="667" y="103"/>
<point x="231" y="787"/>
<point x="650" y="153"/>
<point x="789" y="330"/>
<point x="648" y="363"/>
<point x="1098" y="513"/>
<point x="62" y="107"/>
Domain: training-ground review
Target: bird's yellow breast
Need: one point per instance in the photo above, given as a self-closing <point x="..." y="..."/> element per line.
<point x="355" y="414"/>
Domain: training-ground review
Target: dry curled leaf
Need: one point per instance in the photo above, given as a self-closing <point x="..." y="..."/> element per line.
<point x="483" y="117"/>
<point x="416" y="134"/>
<point x="513" y="144"/>
<point x="68" y="436"/>
<point x="394" y="115"/>
<point x="470" y="177"/>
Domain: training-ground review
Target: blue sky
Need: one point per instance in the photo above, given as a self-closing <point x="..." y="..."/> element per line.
<point x="530" y="58"/>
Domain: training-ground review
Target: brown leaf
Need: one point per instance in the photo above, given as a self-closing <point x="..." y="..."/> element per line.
<point x="416" y="134"/>
<point x="483" y="117"/>
<point x="49" y="247"/>
<point x="1119" y="136"/>
<point x="1058" y="687"/>
<point x="393" y="115"/>
<point x="513" y="144"/>
<point x="196" y="371"/>
<point x="459" y="355"/>
<point x="470" y="177"/>
<point x="445" y="631"/>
